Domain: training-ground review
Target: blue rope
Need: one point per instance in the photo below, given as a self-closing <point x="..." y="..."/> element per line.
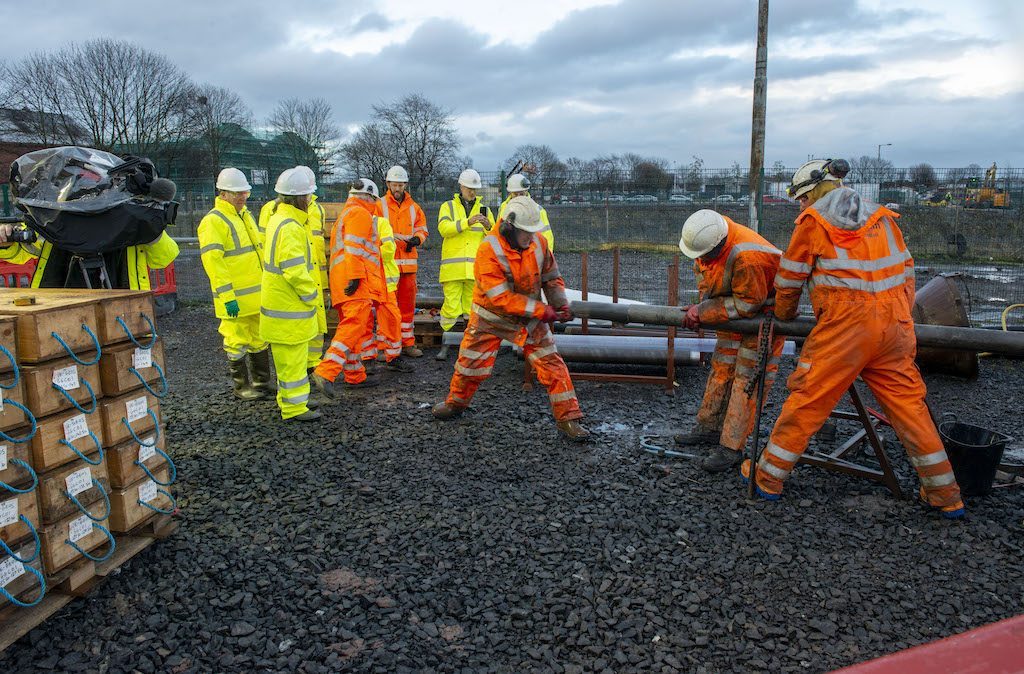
<point x="106" y="502"/>
<point x="14" y="363"/>
<point x="152" y="330"/>
<point x="64" y="392"/>
<point x="110" y="539"/>
<point x="35" y="535"/>
<point x="74" y="449"/>
<point x="42" y="590"/>
<point x="163" y="381"/>
<point x="174" y="503"/>
<point x="71" y="353"/>
<point x="174" y="469"/>
<point x="28" y="415"/>
<point x="156" y="424"/>
<point x="35" y="478"/>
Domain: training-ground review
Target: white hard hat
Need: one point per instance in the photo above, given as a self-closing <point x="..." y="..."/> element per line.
<point x="702" y="231"/>
<point x="308" y="174"/>
<point x="517" y="182"/>
<point x="232" y="180"/>
<point x="293" y="183"/>
<point x="816" y="171"/>
<point x="397" y="174"/>
<point x="527" y="214"/>
<point x="364" y="186"/>
<point x="470" y="179"/>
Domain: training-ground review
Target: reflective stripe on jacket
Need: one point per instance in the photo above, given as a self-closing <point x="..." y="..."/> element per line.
<point x="506" y="298"/>
<point x="461" y="240"/>
<point x="407" y="219"/>
<point x="356" y="253"/>
<point x="231" y="253"/>
<point x="315" y="223"/>
<point x="739" y="282"/>
<point x="862" y="261"/>
<point x="546" y="232"/>
<point x="290" y="294"/>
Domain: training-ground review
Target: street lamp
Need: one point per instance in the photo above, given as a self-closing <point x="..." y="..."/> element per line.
<point x="880" y="149"/>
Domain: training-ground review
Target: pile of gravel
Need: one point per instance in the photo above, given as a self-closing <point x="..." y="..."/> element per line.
<point x="383" y="540"/>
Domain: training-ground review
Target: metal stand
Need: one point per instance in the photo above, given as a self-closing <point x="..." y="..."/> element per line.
<point x="871" y="420"/>
<point x="88" y="265"/>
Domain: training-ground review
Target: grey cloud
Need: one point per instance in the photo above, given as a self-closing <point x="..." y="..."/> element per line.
<point x="371" y="22"/>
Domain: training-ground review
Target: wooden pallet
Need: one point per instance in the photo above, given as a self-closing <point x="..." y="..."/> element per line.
<point x="138" y="539"/>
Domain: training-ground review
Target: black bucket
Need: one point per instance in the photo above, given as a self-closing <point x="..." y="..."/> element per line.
<point x="974" y="452"/>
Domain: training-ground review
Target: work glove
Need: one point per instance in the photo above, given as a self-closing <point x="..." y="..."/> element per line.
<point x="550" y="315"/>
<point x="412" y="242"/>
<point x="564" y="313"/>
<point x="231" y="306"/>
<point x="352" y="286"/>
<point x="691" y="320"/>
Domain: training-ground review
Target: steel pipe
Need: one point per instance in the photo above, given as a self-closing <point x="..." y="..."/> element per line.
<point x="939" y="336"/>
<point x="429" y="302"/>
<point x="626" y="355"/>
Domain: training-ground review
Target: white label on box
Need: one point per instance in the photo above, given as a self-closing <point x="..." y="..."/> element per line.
<point x="76" y="427"/>
<point x="147" y="453"/>
<point x="3" y="457"/>
<point x="8" y="512"/>
<point x="10" y="569"/>
<point x="79" y="528"/>
<point x="142" y="358"/>
<point x="66" y="378"/>
<point x="136" y="409"/>
<point x="79" y="481"/>
<point x="147" y="491"/>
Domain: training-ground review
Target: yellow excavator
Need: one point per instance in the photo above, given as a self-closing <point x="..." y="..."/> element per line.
<point x="987" y="195"/>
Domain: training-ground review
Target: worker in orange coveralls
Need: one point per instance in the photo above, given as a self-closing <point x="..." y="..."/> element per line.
<point x="851" y="254"/>
<point x="735" y="269"/>
<point x="511" y="268"/>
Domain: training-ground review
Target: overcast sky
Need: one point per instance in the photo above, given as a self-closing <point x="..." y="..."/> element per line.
<point x="942" y="80"/>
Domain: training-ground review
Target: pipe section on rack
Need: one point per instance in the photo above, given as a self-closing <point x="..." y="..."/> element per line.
<point x="940" y="336"/>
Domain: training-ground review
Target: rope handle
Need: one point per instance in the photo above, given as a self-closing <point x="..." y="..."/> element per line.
<point x="110" y="539"/>
<point x="35" y="478"/>
<point x="95" y="441"/>
<point x="35" y="536"/>
<point x="152" y="330"/>
<point x="174" y="503"/>
<point x="64" y="392"/>
<point x="14" y="364"/>
<point x="28" y="415"/>
<point x="78" y="504"/>
<point x="163" y="381"/>
<point x="73" y="355"/>
<point x="156" y="424"/>
<point x="170" y="463"/>
<point x="42" y="589"/>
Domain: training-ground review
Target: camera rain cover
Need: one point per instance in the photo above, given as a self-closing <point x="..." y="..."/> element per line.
<point x="89" y="201"/>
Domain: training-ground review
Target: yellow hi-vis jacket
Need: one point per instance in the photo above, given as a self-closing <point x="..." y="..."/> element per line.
<point x="140" y="259"/>
<point x="546" y="232"/>
<point x="232" y="255"/>
<point x="458" y="252"/>
<point x="387" y="253"/>
<point x="314" y="228"/>
<point x="290" y="293"/>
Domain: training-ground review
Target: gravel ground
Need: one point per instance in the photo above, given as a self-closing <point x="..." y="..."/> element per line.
<point x="382" y="540"/>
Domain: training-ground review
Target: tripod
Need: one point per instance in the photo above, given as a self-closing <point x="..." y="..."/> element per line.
<point x="90" y="266"/>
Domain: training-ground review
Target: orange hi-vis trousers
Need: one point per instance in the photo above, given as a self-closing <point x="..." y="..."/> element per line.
<point x="726" y="406"/>
<point x="354" y="334"/>
<point x="476" y="361"/>
<point x="407" y="307"/>
<point x="869" y="341"/>
<point x="384" y="331"/>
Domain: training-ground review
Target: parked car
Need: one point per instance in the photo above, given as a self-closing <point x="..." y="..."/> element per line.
<point x="615" y="197"/>
<point x="769" y="199"/>
<point x="745" y="199"/>
<point x="680" y="199"/>
<point x="723" y="199"/>
<point x="642" y="198"/>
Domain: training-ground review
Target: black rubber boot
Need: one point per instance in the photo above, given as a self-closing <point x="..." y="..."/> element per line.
<point x="721" y="459"/>
<point x="698" y="436"/>
<point x="240" y="380"/>
<point x="262" y="380"/>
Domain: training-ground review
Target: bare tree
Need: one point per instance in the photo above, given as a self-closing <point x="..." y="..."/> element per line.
<point x="368" y="154"/>
<point x="869" y="169"/>
<point x="547" y="172"/>
<point x="307" y="128"/>
<point x="222" y="120"/>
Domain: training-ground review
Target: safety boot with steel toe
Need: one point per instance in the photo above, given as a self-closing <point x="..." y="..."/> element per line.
<point x="240" y="380"/>
<point x="371" y="380"/>
<point x="721" y="459"/>
<point x="323" y="385"/>
<point x="444" y="411"/>
<point x="442" y="353"/>
<point x="399" y="365"/>
<point x="259" y="364"/>
<point x="698" y="436"/>
<point x="308" y="415"/>
<point x="573" y="430"/>
<point x="412" y="351"/>
<point x="371" y="367"/>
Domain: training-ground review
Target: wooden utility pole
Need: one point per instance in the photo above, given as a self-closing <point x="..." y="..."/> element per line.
<point x="760" y="103"/>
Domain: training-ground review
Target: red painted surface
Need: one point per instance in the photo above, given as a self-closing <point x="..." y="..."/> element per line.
<point x="20" y="276"/>
<point x="993" y="649"/>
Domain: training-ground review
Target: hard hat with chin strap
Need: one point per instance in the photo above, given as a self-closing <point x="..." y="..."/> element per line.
<point x="702" y="231"/>
<point x="364" y="186"/>
<point x="232" y="180"/>
<point x="471" y="179"/>
<point x="817" y="171"/>
<point x="397" y="174"/>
